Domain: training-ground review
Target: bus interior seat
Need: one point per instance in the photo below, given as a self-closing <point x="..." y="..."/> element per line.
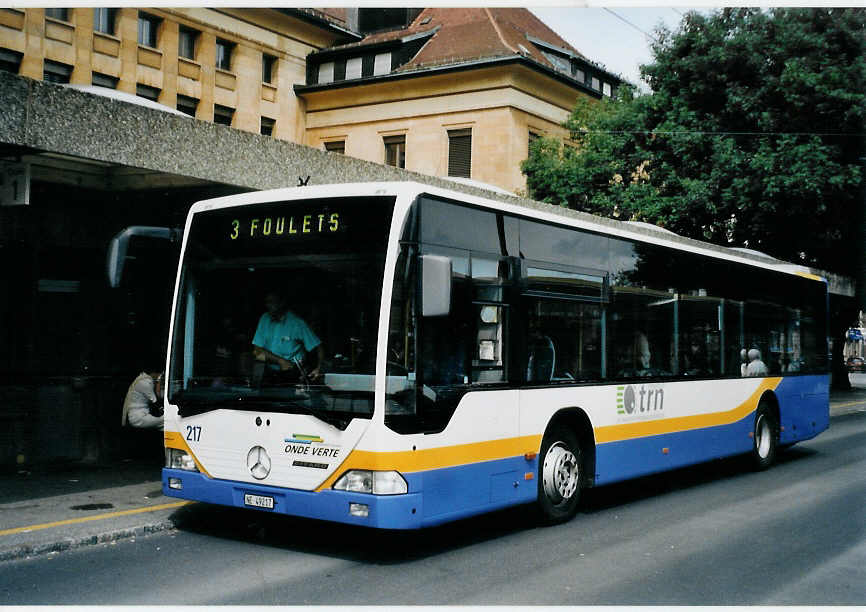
<point x="542" y="360"/>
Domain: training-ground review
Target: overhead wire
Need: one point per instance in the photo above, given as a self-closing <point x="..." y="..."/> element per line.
<point x="623" y="19"/>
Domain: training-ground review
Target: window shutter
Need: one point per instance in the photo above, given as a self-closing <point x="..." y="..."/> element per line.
<point x="460" y="153"/>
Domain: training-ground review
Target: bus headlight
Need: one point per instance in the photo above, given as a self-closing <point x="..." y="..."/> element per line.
<point x="368" y="481"/>
<point x="177" y="459"/>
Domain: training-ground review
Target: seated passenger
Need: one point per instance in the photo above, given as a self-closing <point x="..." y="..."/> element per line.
<point x="694" y="359"/>
<point x="282" y="339"/>
<point x="642" y="358"/>
<point x="756" y="367"/>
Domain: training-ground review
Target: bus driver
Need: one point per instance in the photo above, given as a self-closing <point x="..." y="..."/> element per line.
<point x="283" y="339"/>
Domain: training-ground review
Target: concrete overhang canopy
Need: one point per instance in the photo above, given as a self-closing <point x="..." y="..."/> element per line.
<point x="126" y="97"/>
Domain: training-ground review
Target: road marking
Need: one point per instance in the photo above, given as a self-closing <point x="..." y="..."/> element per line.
<point x="96" y="517"/>
<point x="848" y="404"/>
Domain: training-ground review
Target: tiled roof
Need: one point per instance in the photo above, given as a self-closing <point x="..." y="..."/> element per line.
<point x="465" y="34"/>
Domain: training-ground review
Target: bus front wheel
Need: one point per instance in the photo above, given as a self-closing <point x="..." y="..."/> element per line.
<point x="765" y="438"/>
<point x="560" y="476"/>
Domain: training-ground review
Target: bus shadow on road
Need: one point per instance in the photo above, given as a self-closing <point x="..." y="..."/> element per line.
<point x="655" y="485"/>
<point x="384" y="547"/>
<point x="360" y="544"/>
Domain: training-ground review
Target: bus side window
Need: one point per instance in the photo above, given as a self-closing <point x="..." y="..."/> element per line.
<point x="564" y="340"/>
<point x="641" y="334"/>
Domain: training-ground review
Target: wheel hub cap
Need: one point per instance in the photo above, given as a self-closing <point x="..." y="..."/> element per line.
<point x="560" y="473"/>
<point x="763" y="433"/>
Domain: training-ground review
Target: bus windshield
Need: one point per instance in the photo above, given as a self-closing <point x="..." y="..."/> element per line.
<point x="277" y="308"/>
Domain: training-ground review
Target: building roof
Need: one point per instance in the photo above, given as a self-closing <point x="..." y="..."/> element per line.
<point x="333" y="19"/>
<point x="454" y="38"/>
<point x="465" y="34"/>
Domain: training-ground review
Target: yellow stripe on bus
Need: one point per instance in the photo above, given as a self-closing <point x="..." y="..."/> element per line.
<point x="628" y="431"/>
<point x="462" y="454"/>
<point x="436" y="458"/>
<point x="491" y="450"/>
<point x="174" y="439"/>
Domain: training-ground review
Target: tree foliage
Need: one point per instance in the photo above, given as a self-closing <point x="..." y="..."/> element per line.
<point x="752" y="136"/>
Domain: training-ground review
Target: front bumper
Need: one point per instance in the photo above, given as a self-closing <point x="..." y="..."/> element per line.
<point x="385" y="511"/>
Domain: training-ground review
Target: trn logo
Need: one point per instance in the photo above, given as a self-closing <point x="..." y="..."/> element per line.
<point x="642" y="399"/>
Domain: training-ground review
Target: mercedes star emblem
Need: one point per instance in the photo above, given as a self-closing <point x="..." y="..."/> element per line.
<point x="259" y="462"/>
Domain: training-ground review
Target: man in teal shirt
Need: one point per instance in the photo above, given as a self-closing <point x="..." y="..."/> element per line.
<point x="283" y="339"/>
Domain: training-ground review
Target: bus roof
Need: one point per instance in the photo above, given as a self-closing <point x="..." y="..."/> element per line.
<point x="643" y="232"/>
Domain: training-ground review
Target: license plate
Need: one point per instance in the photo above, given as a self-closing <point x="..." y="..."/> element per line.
<point x="259" y="501"/>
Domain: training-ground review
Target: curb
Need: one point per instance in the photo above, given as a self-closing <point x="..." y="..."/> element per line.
<point x="23" y="551"/>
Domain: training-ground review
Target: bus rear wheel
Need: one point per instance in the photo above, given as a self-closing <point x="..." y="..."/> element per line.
<point x="765" y="439"/>
<point x="560" y="476"/>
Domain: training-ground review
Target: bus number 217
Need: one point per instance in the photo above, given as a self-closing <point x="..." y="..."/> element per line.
<point x="193" y="433"/>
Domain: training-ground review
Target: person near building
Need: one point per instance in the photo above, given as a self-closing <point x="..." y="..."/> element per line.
<point x="142" y="407"/>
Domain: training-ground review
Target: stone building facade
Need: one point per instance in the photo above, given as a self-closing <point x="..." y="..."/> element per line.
<point x="444" y="92"/>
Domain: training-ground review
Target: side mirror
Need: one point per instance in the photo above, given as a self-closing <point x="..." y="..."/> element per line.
<point x="435" y="285"/>
<point x="118" y="246"/>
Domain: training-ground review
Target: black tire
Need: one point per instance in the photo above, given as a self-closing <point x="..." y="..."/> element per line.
<point x="560" y="475"/>
<point x="765" y="438"/>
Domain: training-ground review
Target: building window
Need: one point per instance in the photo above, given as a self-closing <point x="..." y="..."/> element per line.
<point x="186" y="42"/>
<point x="103" y="20"/>
<point x="559" y="62"/>
<point x="606" y="89"/>
<point x="460" y="153"/>
<point x="267" y="126"/>
<point x="104" y="80"/>
<point x="395" y="151"/>
<point x="269" y="63"/>
<point x="10" y="61"/>
<point x="596" y="84"/>
<point x="222" y="114"/>
<point x="55" y="72"/>
<point x="382" y="64"/>
<point x="224" y="54"/>
<point x="147" y="92"/>
<point x="580" y="76"/>
<point x="326" y="72"/>
<point x="147" y="30"/>
<point x="58" y="13"/>
<point x="187" y="105"/>
<point x="336" y="146"/>
<point x="353" y="67"/>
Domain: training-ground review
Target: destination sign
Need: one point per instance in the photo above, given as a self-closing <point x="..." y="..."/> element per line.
<point x="262" y="228"/>
<point x="326" y="225"/>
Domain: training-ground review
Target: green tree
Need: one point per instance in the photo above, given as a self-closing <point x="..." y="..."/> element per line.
<point x="752" y="136"/>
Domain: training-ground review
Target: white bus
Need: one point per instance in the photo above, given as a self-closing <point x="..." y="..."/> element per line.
<point x="472" y="355"/>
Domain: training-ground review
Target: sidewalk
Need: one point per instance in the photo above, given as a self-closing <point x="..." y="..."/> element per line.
<point x="45" y="512"/>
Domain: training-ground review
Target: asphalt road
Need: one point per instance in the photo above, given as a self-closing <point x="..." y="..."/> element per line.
<point x="715" y="534"/>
